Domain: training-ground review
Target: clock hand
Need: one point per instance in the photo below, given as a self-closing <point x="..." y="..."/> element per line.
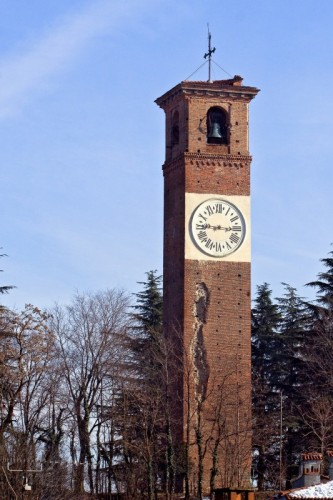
<point x="208" y="226"/>
<point x="221" y="228"/>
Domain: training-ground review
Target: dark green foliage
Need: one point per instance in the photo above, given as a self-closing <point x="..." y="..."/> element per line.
<point x="324" y="283"/>
<point x="147" y="327"/>
<point x="293" y="329"/>
<point x="278" y="336"/>
<point x="265" y="349"/>
<point x="149" y="306"/>
<point x="320" y="345"/>
<point x="318" y="417"/>
<point x="265" y="340"/>
<point x="292" y="359"/>
<point x="147" y="400"/>
<point x="294" y="324"/>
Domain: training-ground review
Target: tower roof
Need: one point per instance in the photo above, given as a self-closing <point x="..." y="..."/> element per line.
<point x="231" y="88"/>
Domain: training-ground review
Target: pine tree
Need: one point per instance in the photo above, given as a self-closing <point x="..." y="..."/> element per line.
<point x="149" y="305"/>
<point x="265" y="346"/>
<point x="320" y="345"/>
<point x="265" y="340"/>
<point x="147" y="327"/>
<point x="291" y="380"/>
<point x="147" y="356"/>
<point x="318" y="417"/>
<point x="324" y="284"/>
<point x="293" y="327"/>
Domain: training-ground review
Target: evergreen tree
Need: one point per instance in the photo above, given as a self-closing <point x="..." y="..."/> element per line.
<point x="265" y="346"/>
<point x="292" y="328"/>
<point x="265" y="340"/>
<point x="291" y="380"/>
<point x="324" y="284"/>
<point x="149" y="305"/>
<point x="320" y="345"/>
<point x="147" y="398"/>
<point x="147" y="328"/>
<point x="319" y="356"/>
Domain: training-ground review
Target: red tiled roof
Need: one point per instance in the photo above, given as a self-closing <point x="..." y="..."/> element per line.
<point x="236" y="80"/>
<point x="311" y="456"/>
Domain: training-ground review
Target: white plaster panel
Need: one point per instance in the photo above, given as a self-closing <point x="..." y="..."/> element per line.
<point x="192" y="252"/>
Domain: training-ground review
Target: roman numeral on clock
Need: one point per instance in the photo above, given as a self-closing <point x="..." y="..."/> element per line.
<point x="209" y="244"/>
<point x="202" y="235"/>
<point x="234" y="238"/>
<point x="217" y="227"/>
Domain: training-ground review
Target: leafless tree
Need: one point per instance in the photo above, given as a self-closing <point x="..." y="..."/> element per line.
<point x="26" y="354"/>
<point x="89" y="334"/>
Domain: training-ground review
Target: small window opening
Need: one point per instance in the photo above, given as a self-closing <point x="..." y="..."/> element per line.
<point x="217" y="126"/>
<point x="175" y="129"/>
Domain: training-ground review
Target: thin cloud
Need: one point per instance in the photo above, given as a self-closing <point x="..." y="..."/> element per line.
<point x="24" y="74"/>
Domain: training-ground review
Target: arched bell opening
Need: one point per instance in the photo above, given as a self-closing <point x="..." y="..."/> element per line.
<point x="217" y="126"/>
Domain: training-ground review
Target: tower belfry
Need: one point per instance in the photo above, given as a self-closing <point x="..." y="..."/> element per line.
<point x="207" y="266"/>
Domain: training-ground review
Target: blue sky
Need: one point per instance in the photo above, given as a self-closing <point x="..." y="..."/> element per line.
<point x="82" y="141"/>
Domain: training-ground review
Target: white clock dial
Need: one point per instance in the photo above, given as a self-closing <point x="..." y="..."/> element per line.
<point x="217" y="227"/>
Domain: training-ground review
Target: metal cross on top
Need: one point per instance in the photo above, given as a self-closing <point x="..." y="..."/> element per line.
<point x="209" y="54"/>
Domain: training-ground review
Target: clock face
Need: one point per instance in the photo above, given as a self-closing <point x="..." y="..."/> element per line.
<point x="217" y="227"/>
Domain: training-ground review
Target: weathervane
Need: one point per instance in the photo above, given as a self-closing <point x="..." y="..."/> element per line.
<point x="209" y="53"/>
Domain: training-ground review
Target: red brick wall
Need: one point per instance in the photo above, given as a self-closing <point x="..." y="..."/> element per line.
<point x="173" y="279"/>
<point x="218" y="174"/>
<point x="194" y="166"/>
<point x="227" y="341"/>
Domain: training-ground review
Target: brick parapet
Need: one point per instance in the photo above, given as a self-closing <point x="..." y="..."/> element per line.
<point x="221" y="89"/>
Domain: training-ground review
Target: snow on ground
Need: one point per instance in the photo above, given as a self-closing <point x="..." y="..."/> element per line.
<point x="318" y="491"/>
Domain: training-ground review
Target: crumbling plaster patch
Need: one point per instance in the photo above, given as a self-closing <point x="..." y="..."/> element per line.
<point x="198" y="349"/>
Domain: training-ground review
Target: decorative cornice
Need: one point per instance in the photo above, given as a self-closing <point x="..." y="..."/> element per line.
<point x="225" y="89"/>
<point x="227" y="158"/>
<point x="208" y="160"/>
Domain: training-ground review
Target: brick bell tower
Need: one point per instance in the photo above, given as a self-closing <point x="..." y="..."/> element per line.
<point x="207" y="266"/>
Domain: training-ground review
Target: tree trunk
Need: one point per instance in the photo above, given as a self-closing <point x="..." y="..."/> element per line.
<point x="200" y="451"/>
<point x="261" y="469"/>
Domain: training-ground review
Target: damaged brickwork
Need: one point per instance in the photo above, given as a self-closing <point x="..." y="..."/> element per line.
<point x="198" y="348"/>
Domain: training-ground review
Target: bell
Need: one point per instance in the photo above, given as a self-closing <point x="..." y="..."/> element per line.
<point x="215" y="131"/>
